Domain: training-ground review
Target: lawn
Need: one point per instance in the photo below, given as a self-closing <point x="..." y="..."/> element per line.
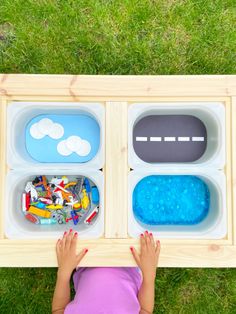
<point x="120" y="37"/>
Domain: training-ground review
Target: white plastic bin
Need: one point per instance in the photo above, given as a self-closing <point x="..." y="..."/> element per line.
<point x="211" y="114"/>
<point x="19" y="114"/>
<point x="214" y="226"/>
<point x="16" y="225"/>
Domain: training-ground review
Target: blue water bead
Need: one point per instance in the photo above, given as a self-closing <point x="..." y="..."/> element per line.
<point x="171" y="200"/>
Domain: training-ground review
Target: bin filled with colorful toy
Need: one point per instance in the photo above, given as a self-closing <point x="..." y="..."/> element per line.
<point x="49" y="200"/>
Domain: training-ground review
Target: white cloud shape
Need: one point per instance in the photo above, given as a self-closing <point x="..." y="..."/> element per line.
<point x="74" y="144"/>
<point x="46" y="127"/>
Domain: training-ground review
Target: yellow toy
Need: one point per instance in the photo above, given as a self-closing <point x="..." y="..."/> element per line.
<point x="39" y="212"/>
<point x="84" y="199"/>
<point x="70" y="184"/>
<point x="54" y="207"/>
<point x="77" y="206"/>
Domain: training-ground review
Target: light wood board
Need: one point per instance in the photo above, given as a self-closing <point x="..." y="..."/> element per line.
<point x="117" y="92"/>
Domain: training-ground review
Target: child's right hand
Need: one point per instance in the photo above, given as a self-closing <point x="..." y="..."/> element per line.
<point x="147" y="260"/>
<point x="67" y="257"/>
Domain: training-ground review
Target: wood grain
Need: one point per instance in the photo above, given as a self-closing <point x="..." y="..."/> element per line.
<point x="118" y="92"/>
<point x="233" y="119"/>
<point x="228" y="168"/>
<point x="3" y="104"/>
<point x="114" y="252"/>
<point x="116" y="170"/>
<point x="125" y="86"/>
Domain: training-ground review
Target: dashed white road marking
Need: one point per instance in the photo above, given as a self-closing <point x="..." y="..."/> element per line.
<point x="141" y="139"/>
<point x="184" y="139"/>
<point x="155" y="139"/>
<point x="169" y="139"/>
<point x="198" y="139"/>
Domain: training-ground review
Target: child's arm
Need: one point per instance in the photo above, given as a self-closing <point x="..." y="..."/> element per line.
<point x="67" y="262"/>
<point x="147" y="261"/>
<point x="61" y="295"/>
<point x="146" y="297"/>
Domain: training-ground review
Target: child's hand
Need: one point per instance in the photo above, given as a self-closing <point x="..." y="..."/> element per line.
<point x="66" y="254"/>
<point x="147" y="260"/>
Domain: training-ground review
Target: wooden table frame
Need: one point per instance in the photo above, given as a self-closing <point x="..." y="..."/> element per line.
<point x="116" y="93"/>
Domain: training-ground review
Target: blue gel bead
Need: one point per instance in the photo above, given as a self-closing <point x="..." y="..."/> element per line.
<point x="177" y="200"/>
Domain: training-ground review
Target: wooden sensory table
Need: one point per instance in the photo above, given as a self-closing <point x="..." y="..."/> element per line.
<point x="116" y="93"/>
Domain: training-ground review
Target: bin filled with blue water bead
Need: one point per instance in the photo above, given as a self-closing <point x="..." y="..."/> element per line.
<point x="170" y="200"/>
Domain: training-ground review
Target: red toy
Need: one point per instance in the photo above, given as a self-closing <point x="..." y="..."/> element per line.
<point x="25" y="201"/>
<point x="32" y="218"/>
<point x="91" y="216"/>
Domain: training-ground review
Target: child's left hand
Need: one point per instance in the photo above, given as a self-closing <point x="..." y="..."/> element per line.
<point x="67" y="258"/>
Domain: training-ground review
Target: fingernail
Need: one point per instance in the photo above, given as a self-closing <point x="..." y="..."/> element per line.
<point x="158" y="242"/>
<point x="146" y="232"/>
<point x="141" y="234"/>
<point x="150" y="234"/>
<point x="70" y="230"/>
<point x="76" y="233"/>
<point x="65" y="233"/>
<point x="86" y="250"/>
<point x="131" y="248"/>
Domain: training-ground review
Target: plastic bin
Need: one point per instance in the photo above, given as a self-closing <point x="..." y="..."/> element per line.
<point x="21" y="153"/>
<point x="175" y="148"/>
<point x="214" y="226"/>
<point x="17" y="227"/>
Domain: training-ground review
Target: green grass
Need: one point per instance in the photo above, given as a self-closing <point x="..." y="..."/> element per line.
<point x="187" y="291"/>
<point x="120" y="37"/>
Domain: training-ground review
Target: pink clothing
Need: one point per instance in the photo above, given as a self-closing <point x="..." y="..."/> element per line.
<point x="105" y="290"/>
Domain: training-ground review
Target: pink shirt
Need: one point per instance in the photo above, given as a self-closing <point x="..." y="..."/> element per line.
<point x="105" y="290"/>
